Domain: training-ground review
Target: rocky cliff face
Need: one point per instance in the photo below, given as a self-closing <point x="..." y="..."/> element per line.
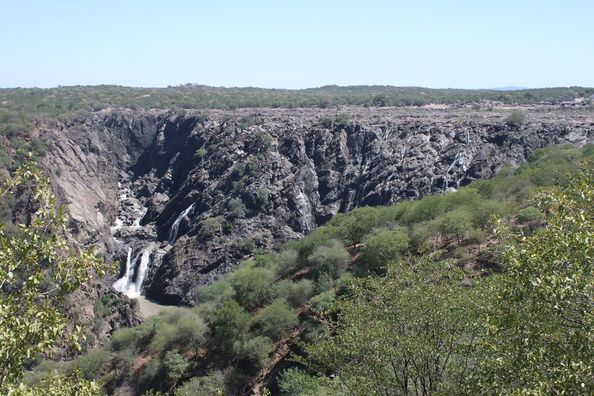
<point x="200" y="192"/>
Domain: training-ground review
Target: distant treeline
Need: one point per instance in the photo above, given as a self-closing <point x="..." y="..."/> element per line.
<point x="20" y="106"/>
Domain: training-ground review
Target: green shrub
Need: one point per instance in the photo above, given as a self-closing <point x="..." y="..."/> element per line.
<point x="483" y="213"/>
<point x="230" y="322"/>
<point x="217" y="292"/>
<point x="318" y="237"/>
<point x="276" y="319"/>
<point x="152" y="375"/>
<point x="211" y="384"/>
<point x="191" y="331"/>
<point x="331" y="258"/>
<point x="165" y="335"/>
<point x="354" y="226"/>
<point x="530" y="214"/>
<point x="342" y="119"/>
<point x="295" y="382"/>
<point x="324" y="282"/>
<point x="252" y="353"/>
<point x="252" y="285"/>
<point x="323" y="301"/>
<point x="419" y="236"/>
<point x="236" y="208"/>
<point x="515" y="119"/>
<point x="288" y="262"/>
<point x="175" y="365"/>
<point x="90" y="365"/>
<point x="382" y="248"/>
<point x="296" y="293"/>
<point x="267" y="261"/>
<point x="476" y="236"/>
<point x="211" y="226"/>
<point x="123" y="338"/>
<point x="455" y="224"/>
<point x="425" y="209"/>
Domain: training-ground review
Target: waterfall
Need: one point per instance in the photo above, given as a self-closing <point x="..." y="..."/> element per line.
<point x="129" y="285"/>
<point x="145" y="258"/>
<point x="175" y="226"/>
<point x="122" y="284"/>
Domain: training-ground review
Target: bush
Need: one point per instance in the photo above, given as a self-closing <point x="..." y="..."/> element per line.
<point x="217" y="292"/>
<point x="191" y="331"/>
<point x="357" y="224"/>
<point x="152" y="375"/>
<point x="252" y="353"/>
<point x="296" y="293"/>
<point x="425" y="209"/>
<point x="252" y="286"/>
<point x="236" y="208"/>
<point x="287" y="262"/>
<point x="276" y="319"/>
<point x="323" y="301"/>
<point x="230" y="322"/>
<point x="164" y="336"/>
<point x="175" y="366"/>
<point x="419" y="237"/>
<point x="331" y="258"/>
<point x="211" y="384"/>
<point x="454" y="224"/>
<point x="515" y="119"/>
<point x="123" y="339"/>
<point x="90" y="365"/>
<point x="383" y="247"/>
<point x="483" y="213"/>
<point x="530" y="215"/>
<point x="297" y="382"/>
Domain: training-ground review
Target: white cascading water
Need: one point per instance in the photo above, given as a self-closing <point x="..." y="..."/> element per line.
<point x="175" y="226"/>
<point x="122" y="284"/>
<point x="128" y="285"/>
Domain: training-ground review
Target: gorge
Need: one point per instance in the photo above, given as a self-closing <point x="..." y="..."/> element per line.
<point x="180" y="199"/>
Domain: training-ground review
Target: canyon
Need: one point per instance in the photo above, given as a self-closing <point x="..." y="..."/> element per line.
<point x="179" y="199"/>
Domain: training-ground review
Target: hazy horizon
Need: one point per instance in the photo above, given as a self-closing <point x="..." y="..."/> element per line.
<point x="266" y="44"/>
<point x="502" y="88"/>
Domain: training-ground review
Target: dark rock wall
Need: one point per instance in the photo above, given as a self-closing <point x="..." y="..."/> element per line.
<point x="261" y="177"/>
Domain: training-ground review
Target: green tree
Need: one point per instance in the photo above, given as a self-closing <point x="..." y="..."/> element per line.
<point x="454" y="224"/>
<point x="252" y="285"/>
<point x="383" y="247"/>
<point x="229" y="323"/>
<point x="175" y="366"/>
<point x="38" y="271"/>
<point x="411" y="332"/>
<point x="331" y="258"/>
<point x="530" y="216"/>
<point x="354" y="226"/>
<point x="541" y="323"/>
<point x="252" y="353"/>
<point x="276" y="319"/>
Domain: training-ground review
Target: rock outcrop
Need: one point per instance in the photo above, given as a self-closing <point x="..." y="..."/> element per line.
<point x="228" y="183"/>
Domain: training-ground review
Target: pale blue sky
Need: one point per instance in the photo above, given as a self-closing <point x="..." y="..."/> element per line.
<point x="297" y="44"/>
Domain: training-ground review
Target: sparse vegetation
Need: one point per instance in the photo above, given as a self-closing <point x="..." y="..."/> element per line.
<point x="423" y="288"/>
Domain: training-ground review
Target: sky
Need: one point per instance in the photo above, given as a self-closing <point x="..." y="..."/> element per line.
<point x="297" y="44"/>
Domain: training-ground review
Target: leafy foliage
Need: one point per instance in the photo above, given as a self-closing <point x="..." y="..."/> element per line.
<point x="38" y="270"/>
<point x="276" y="319"/>
<point x="410" y="332"/>
<point x="541" y="323"/>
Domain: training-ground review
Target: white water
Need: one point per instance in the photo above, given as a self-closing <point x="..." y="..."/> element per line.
<point x="175" y="226"/>
<point x="122" y="284"/>
<point x="127" y="284"/>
